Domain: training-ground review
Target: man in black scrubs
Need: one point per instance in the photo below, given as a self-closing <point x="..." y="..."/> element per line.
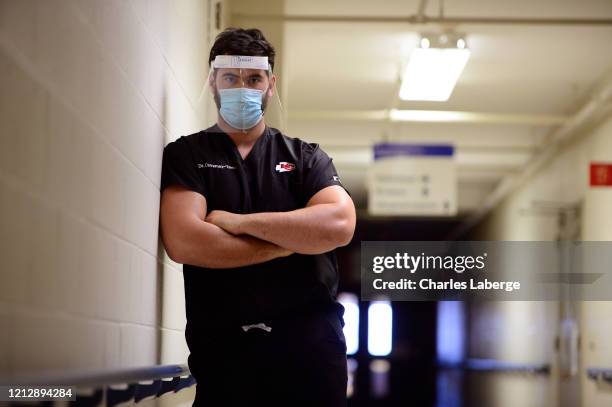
<point x="254" y="216"/>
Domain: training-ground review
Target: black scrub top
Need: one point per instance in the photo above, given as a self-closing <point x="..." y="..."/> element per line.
<point x="279" y="174"/>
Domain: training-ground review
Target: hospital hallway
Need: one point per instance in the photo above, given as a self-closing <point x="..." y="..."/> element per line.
<point x="474" y="138"/>
<point x="448" y="353"/>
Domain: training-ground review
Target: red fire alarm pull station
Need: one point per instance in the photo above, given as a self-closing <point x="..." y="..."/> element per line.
<point x="601" y="174"/>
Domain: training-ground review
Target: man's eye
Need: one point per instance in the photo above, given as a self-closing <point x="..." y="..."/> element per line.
<point x="255" y="80"/>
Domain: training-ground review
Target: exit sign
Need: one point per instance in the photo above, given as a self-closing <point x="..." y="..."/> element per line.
<point x="601" y="174"/>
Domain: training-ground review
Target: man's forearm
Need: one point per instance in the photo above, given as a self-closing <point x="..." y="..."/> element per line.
<point x="312" y="230"/>
<point x="209" y="246"/>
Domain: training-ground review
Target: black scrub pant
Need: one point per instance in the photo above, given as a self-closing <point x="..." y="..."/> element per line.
<point x="300" y="362"/>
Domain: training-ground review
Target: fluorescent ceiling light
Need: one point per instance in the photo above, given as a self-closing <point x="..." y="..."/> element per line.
<point x="426" y="116"/>
<point x="450" y="116"/>
<point x="433" y="69"/>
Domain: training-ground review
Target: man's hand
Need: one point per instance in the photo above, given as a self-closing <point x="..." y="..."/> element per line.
<point x="228" y="221"/>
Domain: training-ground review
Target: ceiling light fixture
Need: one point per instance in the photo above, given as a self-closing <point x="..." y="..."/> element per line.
<point x="434" y="67"/>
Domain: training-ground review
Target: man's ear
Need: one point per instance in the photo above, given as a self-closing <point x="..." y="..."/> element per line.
<point x="272" y="85"/>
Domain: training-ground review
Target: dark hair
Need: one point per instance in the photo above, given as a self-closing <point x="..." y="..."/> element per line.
<point x="238" y="41"/>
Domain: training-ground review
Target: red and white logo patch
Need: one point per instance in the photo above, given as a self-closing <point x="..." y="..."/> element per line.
<point x="285" y="166"/>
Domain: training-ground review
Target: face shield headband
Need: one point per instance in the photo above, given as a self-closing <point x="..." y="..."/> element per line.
<point x="241" y="61"/>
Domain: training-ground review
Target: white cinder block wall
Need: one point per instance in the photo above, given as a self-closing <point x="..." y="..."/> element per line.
<point x="90" y="92"/>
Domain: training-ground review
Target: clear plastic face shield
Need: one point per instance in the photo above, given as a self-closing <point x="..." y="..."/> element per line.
<point x="242" y="88"/>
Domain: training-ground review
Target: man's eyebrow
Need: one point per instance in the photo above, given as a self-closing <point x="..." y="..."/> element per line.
<point x="230" y="74"/>
<point x="255" y="75"/>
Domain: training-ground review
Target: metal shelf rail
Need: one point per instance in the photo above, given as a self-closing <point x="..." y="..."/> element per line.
<point x="600" y="374"/>
<point x="492" y="365"/>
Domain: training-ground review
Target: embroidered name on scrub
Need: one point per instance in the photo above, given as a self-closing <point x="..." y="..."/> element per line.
<point x="220" y="166"/>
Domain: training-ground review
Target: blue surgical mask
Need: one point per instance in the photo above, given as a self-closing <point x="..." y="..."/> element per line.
<point x="241" y="107"/>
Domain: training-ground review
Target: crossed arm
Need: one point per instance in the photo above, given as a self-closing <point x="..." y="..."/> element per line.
<point x="225" y="240"/>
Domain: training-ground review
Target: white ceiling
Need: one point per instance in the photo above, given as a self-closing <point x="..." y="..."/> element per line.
<point x="514" y="69"/>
